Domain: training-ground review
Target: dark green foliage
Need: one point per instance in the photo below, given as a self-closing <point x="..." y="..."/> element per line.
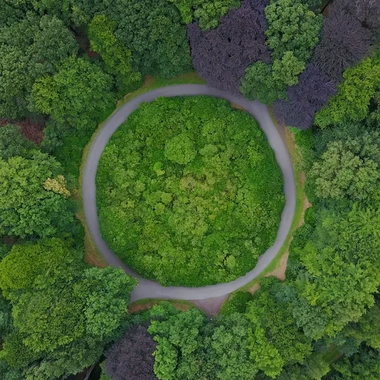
<point x="13" y="143"/>
<point x="86" y="309"/>
<point x="117" y="58"/>
<point x="33" y="197"/>
<point x="207" y="12"/>
<point x="30" y="49"/>
<point x="152" y="31"/>
<point x="363" y="365"/>
<point x="192" y="203"/>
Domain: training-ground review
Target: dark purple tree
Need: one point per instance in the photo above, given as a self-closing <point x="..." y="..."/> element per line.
<point x="305" y="99"/>
<point x="343" y="43"/>
<point x="366" y="11"/>
<point x="131" y="358"/>
<point x="221" y="55"/>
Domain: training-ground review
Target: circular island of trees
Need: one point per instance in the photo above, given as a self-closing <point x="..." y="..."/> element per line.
<point x="189" y="192"/>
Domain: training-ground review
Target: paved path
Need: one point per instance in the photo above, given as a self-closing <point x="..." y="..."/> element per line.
<point x="151" y="289"/>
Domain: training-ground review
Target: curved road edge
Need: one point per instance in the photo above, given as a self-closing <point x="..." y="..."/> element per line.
<point x="152" y="289"/>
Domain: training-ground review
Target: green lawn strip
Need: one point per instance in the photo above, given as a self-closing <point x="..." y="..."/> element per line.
<point x="93" y="255"/>
<point x="296" y="220"/>
<point x="148" y="303"/>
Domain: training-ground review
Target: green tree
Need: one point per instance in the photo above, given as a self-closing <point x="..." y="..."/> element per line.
<point x="86" y="309"/>
<point x="258" y="83"/>
<point x="77" y="94"/>
<point x="292" y="26"/>
<point x="347" y="170"/>
<point x="352" y="101"/>
<point x="339" y="271"/>
<point x="117" y="59"/>
<point x="153" y="32"/>
<point x="208" y="12"/>
<point x="30" y="49"/>
<point x="28" y="205"/>
<point x="285" y="71"/>
<point x="13" y="143"/>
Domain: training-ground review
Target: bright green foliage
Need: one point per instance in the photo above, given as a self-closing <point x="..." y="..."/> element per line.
<point x="26" y="206"/>
<point x="189" y="191"/>
<point x="363" y="365"/>
<point x="13" y="143"/>
<point x="178" y="339"/>
<point x="191" y="347"/>
<point x="292" y="26"/>
<point x="116" y="57"/>
<point x="30" y="49"/>
<point x="348" y="169"/>
<point x="227" y="355"/>
<point x="258" y="83"/>
<point x="342" y="271"/>
<point x="275" y="339"/>
<point x="152" y="31"/>
<point x="352" y="101"/>
<point x="76" y="95"/>
<point x="207" y="12"/>
<point x="285" y="70"/>
<point x="86" y="307"/>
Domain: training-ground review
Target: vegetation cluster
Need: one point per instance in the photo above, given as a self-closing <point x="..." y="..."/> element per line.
<point x="64" y="65"/>
<point x="189" y="191"/>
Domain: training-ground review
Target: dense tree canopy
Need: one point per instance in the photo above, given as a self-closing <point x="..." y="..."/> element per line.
<point x="132" y="356"/>
<point x="220" y="56"/>
<point x="305" y="98"/>
<point x="292" y="26"/>
<point x="153" y="32"/>
<point x="344" y="42"/>
<point x="33" y="197"/>
<point x="208" y="12"/>
<point x="77" y="78"/>
<point x="13" y="143"/>
<point x="190" y="203"/>
<point x="117" y="59"/>
<point x="30" y="49"/>
<point x="354" y="94"/>
<point x="86" y="307"/>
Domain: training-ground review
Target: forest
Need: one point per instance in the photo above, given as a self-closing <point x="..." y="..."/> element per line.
<point x="65" y="66"/>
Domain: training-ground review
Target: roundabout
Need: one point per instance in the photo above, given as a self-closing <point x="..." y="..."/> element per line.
<point x="151" y="289"/>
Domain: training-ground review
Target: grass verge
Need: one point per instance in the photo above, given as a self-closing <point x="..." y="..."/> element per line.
<point x="93" y="255"/>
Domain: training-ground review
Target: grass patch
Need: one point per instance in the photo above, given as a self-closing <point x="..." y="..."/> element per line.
<point x="93" y="255"/>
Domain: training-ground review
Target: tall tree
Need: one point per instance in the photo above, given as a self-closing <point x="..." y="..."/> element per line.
<point x="77" y="78"/>
<point x="153" y="32"/>
<point x="221" y="56"/>
<point x="344" y="42"/>
<point x="13" y="143"/>
<point x="305" y="98"/>
<point x="86" y="308"/>
<point x="208" y="12"/>
<point x="352" y="101"/>
<point x="33" y="197"/>
<point x="292" y="26"/>
<point x="117" y="58"/>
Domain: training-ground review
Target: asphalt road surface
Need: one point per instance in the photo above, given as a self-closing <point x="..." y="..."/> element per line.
<point x="151" y="289"/>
